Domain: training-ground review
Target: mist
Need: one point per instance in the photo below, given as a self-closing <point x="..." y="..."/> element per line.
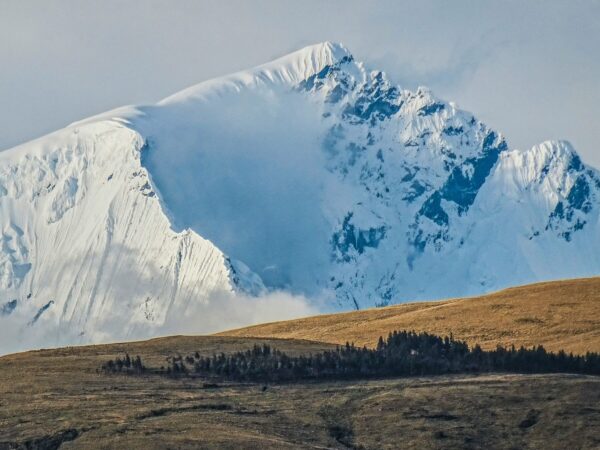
<point x="249" y="177"/>
<point x="220" y="311"/>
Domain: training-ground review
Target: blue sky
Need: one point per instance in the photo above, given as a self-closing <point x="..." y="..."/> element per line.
<point x="529" y="69"/>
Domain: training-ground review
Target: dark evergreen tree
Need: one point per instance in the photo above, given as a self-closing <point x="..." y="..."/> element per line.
<point x="402" y="354"/>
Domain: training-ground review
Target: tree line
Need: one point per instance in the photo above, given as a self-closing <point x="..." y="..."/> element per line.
<point x="403" y="353"/>
<point x="124" y="365"/>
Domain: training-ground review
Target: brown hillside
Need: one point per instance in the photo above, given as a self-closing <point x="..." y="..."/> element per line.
<point x="54" y="399"/>
<point x="559" y="315"/>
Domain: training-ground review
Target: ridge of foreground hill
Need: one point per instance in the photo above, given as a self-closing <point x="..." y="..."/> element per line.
<point x="560" y="315"/>
<point x="52" y="399"/>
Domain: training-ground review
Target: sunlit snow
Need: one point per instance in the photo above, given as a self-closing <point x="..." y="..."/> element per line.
<point x="305" y="184"/>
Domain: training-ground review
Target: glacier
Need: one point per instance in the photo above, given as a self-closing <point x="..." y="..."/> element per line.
<point x="310" y="181"/>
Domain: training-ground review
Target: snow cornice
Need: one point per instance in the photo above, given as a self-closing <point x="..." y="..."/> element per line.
<point x="286" y="70"/>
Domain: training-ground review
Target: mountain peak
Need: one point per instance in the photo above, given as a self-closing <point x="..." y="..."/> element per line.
<point x="558" y="147"/>
<point x="308" y="174"/>
<point x="333" y="51"/>
<point x="556" y="151"/>
<point x="287" y="70"/>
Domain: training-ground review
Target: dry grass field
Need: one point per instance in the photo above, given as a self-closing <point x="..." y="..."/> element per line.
<point x="52" y="399"/>
<point x="559" y="315"/>
<point x="55" y="399"/>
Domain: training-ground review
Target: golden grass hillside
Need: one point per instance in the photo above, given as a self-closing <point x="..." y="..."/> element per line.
<point x="559" y="315"/>
<point x="53" y="399"/>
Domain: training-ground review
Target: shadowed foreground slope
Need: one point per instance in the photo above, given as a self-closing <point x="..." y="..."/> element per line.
<point x="560" y="315"/>
<point x="56" y="398"/>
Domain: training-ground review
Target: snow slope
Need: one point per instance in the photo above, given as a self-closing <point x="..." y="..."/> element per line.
<point x="310" y="175"/>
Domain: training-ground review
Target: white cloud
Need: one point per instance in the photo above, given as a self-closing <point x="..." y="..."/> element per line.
<point x="219" y="312"/>
<point x="225" y="311"/>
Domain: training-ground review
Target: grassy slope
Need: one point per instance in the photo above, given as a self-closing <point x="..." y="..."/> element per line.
<point x="559" y="315"/>
<point x="51" y="396"/>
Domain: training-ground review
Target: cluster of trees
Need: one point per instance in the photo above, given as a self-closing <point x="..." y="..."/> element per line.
<point x="401" y="354"/>
<point x="124" y="365"/>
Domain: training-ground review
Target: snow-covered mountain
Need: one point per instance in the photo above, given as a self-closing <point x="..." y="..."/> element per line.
<point x="310" y="174"/>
